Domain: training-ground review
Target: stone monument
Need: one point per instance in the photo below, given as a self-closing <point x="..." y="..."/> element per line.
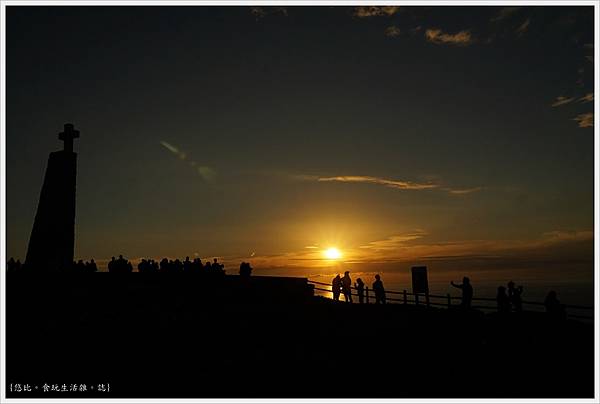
<point x="52" y="241"/>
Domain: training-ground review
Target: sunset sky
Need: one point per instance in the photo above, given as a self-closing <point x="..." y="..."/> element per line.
<point x="450" y="136"/>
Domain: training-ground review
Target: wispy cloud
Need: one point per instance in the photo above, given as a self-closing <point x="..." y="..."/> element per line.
<point x="585" y="120"/>
<point x="421" y="246"/>
<point x="562" y="101"/>
<point x="386" y="182"/>
<point x="463" y="191"/>
<point x="504" y="13"/>
<point x="373" y="11"/>
<point x="521" y="29"/>
<point x="439" y="37"/>
<point x="392" y="31"/>
<point x="589" y="97"/>
<point x="415" y="246"/>
<point x="373" y="180"/>
<point x="208" y="174"/>
<point x="393" y="242"/>
<point x="174" y="150"/>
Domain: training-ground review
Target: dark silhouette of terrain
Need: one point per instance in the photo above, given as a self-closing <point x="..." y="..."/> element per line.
<point x="204" y="334"/>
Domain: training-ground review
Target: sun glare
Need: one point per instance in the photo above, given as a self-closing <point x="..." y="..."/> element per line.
<point x="332" y="253"/>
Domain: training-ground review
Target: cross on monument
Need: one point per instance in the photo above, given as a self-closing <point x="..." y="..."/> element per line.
<point x="68" y="135"/>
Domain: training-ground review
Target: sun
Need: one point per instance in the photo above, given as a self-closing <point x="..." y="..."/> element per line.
<point x="332" y="253"/>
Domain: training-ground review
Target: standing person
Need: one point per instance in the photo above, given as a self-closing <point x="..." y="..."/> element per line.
<point x="360" y="289"/>
<point x="467" y="292"/>
<point x="379" y="290"/>
<point x="347" y="287"/>
<point x="92" y="266"/>
<point x="514" y="295"/>
<point x="502" y="300"/>
<point x="336" y="284"/>
<point x="112" y="265"/>
<point x="187" y="265"/>
<point x="553" y="306"/>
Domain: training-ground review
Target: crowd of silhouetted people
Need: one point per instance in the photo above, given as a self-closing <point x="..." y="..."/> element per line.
<point x="123" y="265"/>
<point x="167" y="265"/>
<point x="343" y="285"/>
<point x="509" y="297"/>
<point x="76" y="266"/>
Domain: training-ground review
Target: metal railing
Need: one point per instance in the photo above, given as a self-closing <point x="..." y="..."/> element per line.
<point x="434" y="300"/>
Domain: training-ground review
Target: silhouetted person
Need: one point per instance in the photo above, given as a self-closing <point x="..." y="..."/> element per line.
<point x="379" y="290"/>
<point x="514" y="295"/>
<point x="121" y="264"/>
<point x="216" y="267"/>
<point x="197" y="265"/>
<point x="347" y="287"/>
<point x="245" y="269"/>
<point x="112" y="265"/>
<point x="336" y="285"/>
<point x="187" y="265"/>
<point x="360" y="289"/>
<point x="553" y="306"/>
<point x="207" y="267"/>
<point x="78" y="267"/>
<point x="177" y="265"/>
<point x="502" y="300"/>
<point x="467" y="292"/>
<point x="91" y="266"/>
<point x="164" y="265"/>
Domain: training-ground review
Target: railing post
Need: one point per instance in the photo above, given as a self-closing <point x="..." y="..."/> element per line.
<point x="416" y="299"/>
<point x="449" y="300"/>
<point x="405" y="299"/>
<point x="367" y="296"/>
<point x="427" y="299"/>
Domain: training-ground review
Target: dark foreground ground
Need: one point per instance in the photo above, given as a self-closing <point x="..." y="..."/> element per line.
<point x="185" y="335"/>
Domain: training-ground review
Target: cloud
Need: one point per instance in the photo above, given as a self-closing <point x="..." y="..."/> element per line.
<point x="414" y="246"/>
<point x="463" y="191"/>
<point x="392" y="31"/>
<point x="374" y="180"/>
<point x="393" y="242"/>
<point x="521" y="29"/>
<point x="562" y="101"/>
<point x="504" y="13"/>
<point x="174" y="150"/>
<point x="365" y="12"/>
<point x="390" y="183"/>
<point x="418" y="246"/>
<point x="208" y="174"/>
<point x="439" y="37"/>
<point x="557" y="236"/>
<point x="585" y="120"/>
<point x="589" y="97"/>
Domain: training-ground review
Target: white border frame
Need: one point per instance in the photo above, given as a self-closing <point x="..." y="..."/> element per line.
<point x="4" y="3"/>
